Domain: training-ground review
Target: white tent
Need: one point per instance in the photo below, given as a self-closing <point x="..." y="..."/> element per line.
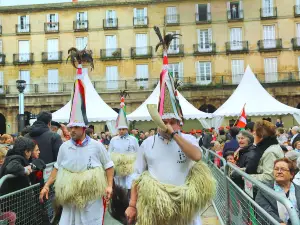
<point x="97" y="109"/>
<point x="257" y="101"/>
<point x="188" y="110"/>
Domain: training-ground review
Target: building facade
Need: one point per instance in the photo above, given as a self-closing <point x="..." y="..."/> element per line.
<point x="219" y="39"/>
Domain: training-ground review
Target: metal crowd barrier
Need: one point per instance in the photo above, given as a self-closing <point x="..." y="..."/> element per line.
<point x="235" y="206"/>
<point x="23" y="207"/>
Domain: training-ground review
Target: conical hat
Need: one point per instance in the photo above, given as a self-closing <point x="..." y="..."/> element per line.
<point x="122" y="122"/>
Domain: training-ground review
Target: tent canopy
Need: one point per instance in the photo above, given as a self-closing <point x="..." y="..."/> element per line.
<point x="97" y="109"/>
<point x="188" y="110"/>
<point x="257" y="101"/>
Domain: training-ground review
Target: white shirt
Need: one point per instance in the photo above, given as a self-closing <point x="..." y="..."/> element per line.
<point x="128" y="144"/>
<point x="165" y="162"/>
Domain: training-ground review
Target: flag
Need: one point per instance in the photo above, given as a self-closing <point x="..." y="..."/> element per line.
<point x="242" y="120"/>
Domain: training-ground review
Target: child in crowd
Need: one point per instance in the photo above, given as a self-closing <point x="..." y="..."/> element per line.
<point x="229" y="157"/>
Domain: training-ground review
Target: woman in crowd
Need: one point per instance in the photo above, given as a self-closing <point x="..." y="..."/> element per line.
<point x="6" y="140"/>
<point x="282" y="137"/>
<point x="297" y="146"/>
<point x="283" y="172"/>
<point x="261" y="163"/>
<point x="232" y="145"/>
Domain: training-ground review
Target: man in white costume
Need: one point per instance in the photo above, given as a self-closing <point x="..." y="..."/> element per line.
<point x="123" y="149"/>
<point x="171" y="184"/>
<point x="83" y="173"/>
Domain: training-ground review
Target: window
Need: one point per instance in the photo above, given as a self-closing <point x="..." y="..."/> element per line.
<point x="1" y="47"/>
<point x="203" y="73"/>
<point x="267" y="8"/>
<point x="1" y="82"/>
<point x="53" y="80"/>
<point x="112" y="77"/>
<point x="140" y="16"/>
<point x="298" y="34"/>
<point x="52" y="49"/>
<point x="236" y="39"/>
<point x="111" y="45"/>
<point x="52" y="20"/>
<point x="81" y="20"/>
<point x="269" y="37"/>
<point x="205" y="40"/>
<point x="141" y="44"/>
<point x="142" y="76"/>
<point x="235" y="10"/>
<point x="23" y="23"/>
<point x="203" y="12"/>
<point x="24" y="51"/>
<point x="171" y="15"/>
<point x="271" y="70"/>
<point x="81" y="43"/>
<point x="25" y="75"/>
<point x="237" y="69"/>
<point x="111" y="18"/>
<point x="176" y="70"/>
<point x="174" y="45"/>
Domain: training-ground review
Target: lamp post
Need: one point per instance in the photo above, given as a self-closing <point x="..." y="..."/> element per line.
<point x="21" y="85"/>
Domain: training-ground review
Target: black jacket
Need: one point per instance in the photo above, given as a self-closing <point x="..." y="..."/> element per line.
<point x="14" y="164"/>
<point x="261" y="147"/>
<point x="47" y="141"/>
<point x="206" y="140"/>
<point x="269" y="203"/>
<point x="231" y="146"/>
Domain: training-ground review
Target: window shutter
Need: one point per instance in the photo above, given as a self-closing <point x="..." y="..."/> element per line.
<point x="134" y="17"/>
<point x="180" y="70"/>
<point x="48" y="18"/>
<point x="241" y="12"/>
<point x="197" y="9"/>
<point x="228" y="10"/>
<point x="209" y="30"/>
<point x="208" y="12"/>
<point x="85" y="42"/>
<point x="1" y="47"/>
<point x="56" y="17"/>
<point x="1" y="82"/>
<point x="145" y="16"/>
<point x="77" y="16"/>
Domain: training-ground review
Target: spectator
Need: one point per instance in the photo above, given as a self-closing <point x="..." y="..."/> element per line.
<point x="245" y="150"/>
<point x="297" y="146"/>
<point x="283" y="171"/>
<point x="47" y="141"/>
<point x="229" y="157"/>
<point x="218" y="149"/>
<point x="221" y="137"/>
<point x="7" y="139"/>
<point x="296" y="179"/>
<point x="233" y="144"/>
<point x="3" y="153"/>
<point x="108" y="137"/>
<point x="25" y="131"/>
<point x="89" y="132"/>
<point x="267" y="151"/>
<point x="284" y="149"/>
<point x="55" y="126"/>
<point x="206" y="139"/>
<point x="279" y="123"/>
<point x="198" y="135"/>
<point x="295" y="135"/>
<point x="135" y="133"/>
<point x="142" y="138"/>
<point x="250" y="127"/>
<point x="103" y="140"/>
<point x="146" y="134"/>
<point x="17" y="163"/>
<point x="152" y="132"/>
<point x="281" y="136"/>
<point x="293" y="156"/>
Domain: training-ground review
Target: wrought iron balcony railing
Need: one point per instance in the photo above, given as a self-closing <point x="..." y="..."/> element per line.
<point x="237" y="47"/>
<point x="111" y="54"/>
<point x="140" y="21"/>
<point x="110" y="24"/>
<point x="23" y="58"/>
<point x="268" y="13"/>
<point x="269" y="45"/>
<point x="2" y="59"/>
<point x="235" y="15"/>
<point x="52" y="57"/>
<point x="296" y="43"/>
<point x="141" y="52"/>
<point x="204" y="49"/>
<point x="200" y="18"/>
<point x="172" y="20"/>
<point x="81" y="25"/>
<point x="51" y="27"/>
<point x="22" y="28"/>
<point x="176" y="51"/>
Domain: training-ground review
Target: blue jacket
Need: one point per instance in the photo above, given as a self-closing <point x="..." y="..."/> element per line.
<point x="232" y="146"/>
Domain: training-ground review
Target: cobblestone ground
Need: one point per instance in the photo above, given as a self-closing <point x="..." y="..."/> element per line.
<point x="208" y="218"/>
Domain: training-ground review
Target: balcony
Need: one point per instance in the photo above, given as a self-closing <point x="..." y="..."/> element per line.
<point x="296" y="43"/>
<point x="268" y="13"/>
<point x="237" y="47"/>
<point x="269" y="45"/>
<point x="176" y="51"/>
<point x="172" y="20"/>
<point x="23" y="59"/>
<point x="297" y="10"/>
<point x="204" y="49"/>
<point x="22" y="29"/>
<point x="141" y="52"/>
<point x="2" y="59"/>
<point x="81" y="25"/>
<point x="203" y="19"/>
<point x="111" y="54"/>
<point x="51" y="27"/>
<point x="110" y="24"/>
<point x="52" y="57"/>
<point x="233" y="16"/>
<point x="140" y="22"/>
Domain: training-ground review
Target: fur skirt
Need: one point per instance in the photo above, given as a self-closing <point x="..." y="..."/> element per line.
<point x="123" y="163"/>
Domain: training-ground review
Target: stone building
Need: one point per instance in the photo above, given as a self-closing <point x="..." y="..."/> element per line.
<point x="219" y="39"/>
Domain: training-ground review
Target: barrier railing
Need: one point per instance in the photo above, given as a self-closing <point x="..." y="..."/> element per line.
<point x="232" y="204"/>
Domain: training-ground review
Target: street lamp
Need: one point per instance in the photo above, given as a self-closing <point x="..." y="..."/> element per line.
<point x="21" y="85"/>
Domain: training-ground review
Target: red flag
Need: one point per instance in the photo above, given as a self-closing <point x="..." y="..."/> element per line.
<point x="242" y="120"/>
